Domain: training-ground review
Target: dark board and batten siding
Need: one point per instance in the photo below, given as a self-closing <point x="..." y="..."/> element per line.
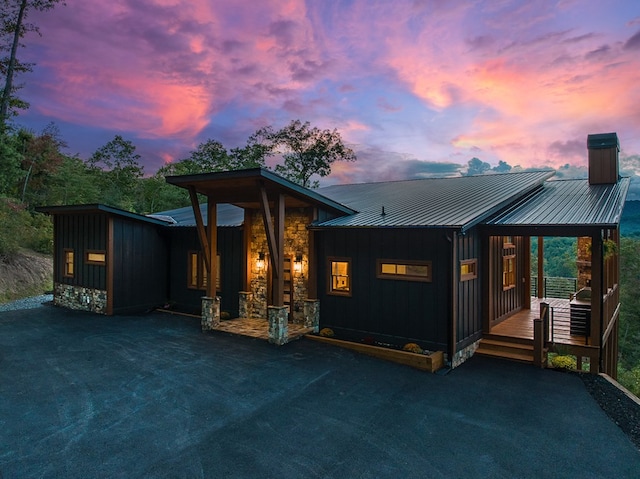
<point x="139" y="266"/>
<point x="396" y="311"/>
<point x="503" y="303"/>
<point x="81" y="233"/>
<point x="230" y="248"/>
<point x="469" y="319"/>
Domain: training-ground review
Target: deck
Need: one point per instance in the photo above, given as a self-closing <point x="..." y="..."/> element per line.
<point x="520" y="325"/>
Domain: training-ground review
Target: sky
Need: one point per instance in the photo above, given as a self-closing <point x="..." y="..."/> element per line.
<point x="415" y="87"/>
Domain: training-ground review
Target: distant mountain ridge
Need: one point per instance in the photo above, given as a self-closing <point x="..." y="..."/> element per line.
<point x="630" y="221"/>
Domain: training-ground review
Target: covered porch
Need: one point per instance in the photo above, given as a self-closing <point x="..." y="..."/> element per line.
<point x="278" y="294"/>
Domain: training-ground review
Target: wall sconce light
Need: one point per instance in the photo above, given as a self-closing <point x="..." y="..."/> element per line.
<point x="297" y="264"/>
<point x="260" y="262"/>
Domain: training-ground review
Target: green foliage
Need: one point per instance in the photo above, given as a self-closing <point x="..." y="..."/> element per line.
<point x="561" y="361"/>
<point x="306" y="151"/>
<point x="21" y="229"/>
<point x="117" y="171"/>
<point x="630" y="379"/>
<point x="560" y="256"/>
<point x="629" y="331"/>
<point x="10" y="164"/>
<point x="13" y="27"/>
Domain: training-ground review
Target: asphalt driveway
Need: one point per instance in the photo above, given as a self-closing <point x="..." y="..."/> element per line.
<point x="83" y="395"/>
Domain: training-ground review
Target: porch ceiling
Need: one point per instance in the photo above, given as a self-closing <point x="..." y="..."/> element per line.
<point x="242" y="188"/>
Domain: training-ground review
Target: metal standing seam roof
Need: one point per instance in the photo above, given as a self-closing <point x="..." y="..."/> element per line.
<point x="459" y="202"/>
<point x="100" y="208"/>
<point x="568" y="202"/>
<point x="228" y="215"/>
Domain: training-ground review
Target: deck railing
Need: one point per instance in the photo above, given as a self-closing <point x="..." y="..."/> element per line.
<point x="555" y="286"/>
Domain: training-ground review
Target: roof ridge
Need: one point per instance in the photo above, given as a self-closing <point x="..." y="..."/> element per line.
<point x="542" y="170"/>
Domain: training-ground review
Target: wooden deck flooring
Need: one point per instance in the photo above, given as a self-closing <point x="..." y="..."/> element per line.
<point x="520" y="325"/>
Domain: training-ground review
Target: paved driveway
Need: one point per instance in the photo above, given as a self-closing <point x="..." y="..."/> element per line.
<point x="151" y="396"/>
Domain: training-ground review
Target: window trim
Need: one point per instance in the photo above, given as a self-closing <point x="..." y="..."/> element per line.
<point x="404" y="277"/>
<point x="65" y="272"/>
<point x="473" y="274"/>
<point x="507" y="242"/>
<point x="336" y="292"/>
<point x="101" y="262"/>
<point x="201" y="272"/>
<point x="508" y="277"/>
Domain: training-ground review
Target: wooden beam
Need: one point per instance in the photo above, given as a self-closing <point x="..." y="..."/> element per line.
<point x="278" y="266"/>
<point x="202" y="234"/>
<point x="268" y="226"/>
<point x="246" y="248"/>
<point x="212" y="241"/>
<point x="312" y="271"/>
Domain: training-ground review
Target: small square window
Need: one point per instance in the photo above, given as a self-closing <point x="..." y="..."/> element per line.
<point x="468" y="269"/>
<point x="340" y="276"/>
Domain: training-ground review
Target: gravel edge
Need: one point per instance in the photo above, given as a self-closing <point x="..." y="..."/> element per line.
<point x="27" y="303"/>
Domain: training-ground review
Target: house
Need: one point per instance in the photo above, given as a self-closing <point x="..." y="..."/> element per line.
<point x="444" y="263"/>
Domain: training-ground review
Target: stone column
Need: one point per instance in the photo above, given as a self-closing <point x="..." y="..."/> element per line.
<point x="210" y="313"/>
<point x="312" y="314"/>
<point x="244" y="306"/>
<point x="278" y="324"/>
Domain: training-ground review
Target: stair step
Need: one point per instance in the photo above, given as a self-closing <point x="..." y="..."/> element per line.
<point x="498" y="345"/>
<point x="522" y="357"/>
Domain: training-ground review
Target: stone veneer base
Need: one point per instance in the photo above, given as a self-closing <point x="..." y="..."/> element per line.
<point x="80" y="298"/>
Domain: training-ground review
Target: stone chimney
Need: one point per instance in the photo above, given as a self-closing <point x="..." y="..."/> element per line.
<point x="603" y="158"/>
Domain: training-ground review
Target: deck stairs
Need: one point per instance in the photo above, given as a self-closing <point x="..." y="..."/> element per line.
<point x="505" y="347"/>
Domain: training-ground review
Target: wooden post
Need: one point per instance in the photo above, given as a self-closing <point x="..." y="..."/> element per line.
<point x="212" y="254"/>
<point x="246" y="247"/>
<point x="278" y="280"/>
<point x="540" y="334"/>
<point x="526" y="246"/>
<point x="540" y="267"/>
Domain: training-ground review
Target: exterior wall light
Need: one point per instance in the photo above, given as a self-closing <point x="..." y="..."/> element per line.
<point x="297" y="264"/>
<point x="260" y="262"/>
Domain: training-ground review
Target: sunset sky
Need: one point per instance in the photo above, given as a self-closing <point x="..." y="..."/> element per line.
<point x="416" y="87"/>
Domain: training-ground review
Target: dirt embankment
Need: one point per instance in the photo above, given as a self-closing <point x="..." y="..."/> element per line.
<point x="23" y="274"/>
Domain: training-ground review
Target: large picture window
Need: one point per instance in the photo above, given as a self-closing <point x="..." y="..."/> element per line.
<point x="509" y="271"/>
<point x="404" y="270"/>
<point x="340" y="276"/>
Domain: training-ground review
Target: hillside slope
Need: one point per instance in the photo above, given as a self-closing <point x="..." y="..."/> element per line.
<point x="25" y="273"/>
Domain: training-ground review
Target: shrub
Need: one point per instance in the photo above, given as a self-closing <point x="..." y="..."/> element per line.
<point x="327" y="333"/>
<point x="20" y="229"/>
<point x="412" y="348"/>
<point x="564" y="362"/>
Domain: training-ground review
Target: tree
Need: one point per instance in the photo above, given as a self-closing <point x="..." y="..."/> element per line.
<point x="117" y="170"/>
<point x="13" y="27"/>
<point x="306" y="151"/>
<point x="11" y="155"/>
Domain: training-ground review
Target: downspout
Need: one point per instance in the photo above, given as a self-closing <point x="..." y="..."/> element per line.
<point x="453" y="301"/>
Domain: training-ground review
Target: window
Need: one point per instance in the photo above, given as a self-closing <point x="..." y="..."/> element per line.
<point x="69" y="263"/>
<point x="96" y="257"/>
<point x="197" y="271"/>
<point x="340" y="277"/>
<point x="405" y="270"/>
<point x="468" y="269"/>
<point x="509" y="271"/>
